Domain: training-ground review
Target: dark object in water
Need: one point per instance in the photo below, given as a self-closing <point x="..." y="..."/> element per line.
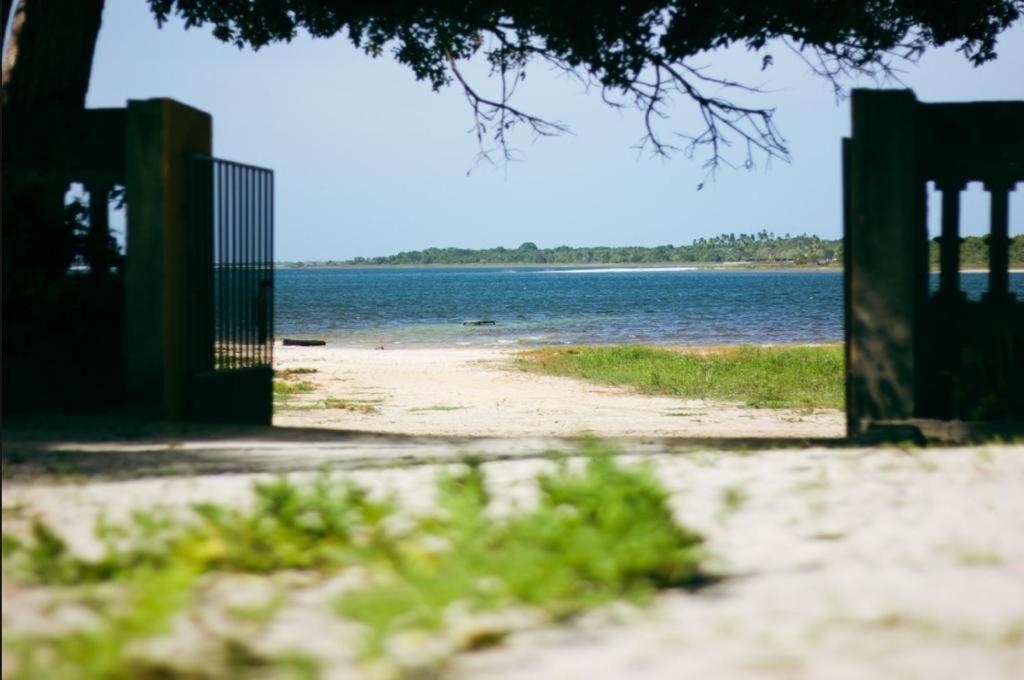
<point x="303" y="343"/>
<point x="478" y="322"/>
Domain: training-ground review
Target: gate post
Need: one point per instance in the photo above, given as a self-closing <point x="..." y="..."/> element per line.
<point x="160" y="137"/>
<point x="886" y="272"/>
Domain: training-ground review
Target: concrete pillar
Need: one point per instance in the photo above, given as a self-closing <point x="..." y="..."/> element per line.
<point x="998" y="242"/>
<point x="949" y="242"/>
<point x="160" y="137"/>
<point x="886" y="267"/>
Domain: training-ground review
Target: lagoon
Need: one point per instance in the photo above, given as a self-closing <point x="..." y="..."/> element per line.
<point x="425" y="307"/>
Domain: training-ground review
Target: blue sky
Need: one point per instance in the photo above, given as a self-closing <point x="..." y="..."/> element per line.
<point x="369" y="161"/>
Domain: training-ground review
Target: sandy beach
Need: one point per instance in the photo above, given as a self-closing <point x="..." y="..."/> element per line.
<point x="864" y="563"/>
<point x="480" y="392"/>
<point x="874" y="562"/>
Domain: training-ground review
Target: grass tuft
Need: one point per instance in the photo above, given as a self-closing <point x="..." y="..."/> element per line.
<point x="354" y="405"/>
<point x="284" y="389"/>
<point x="598" y="534"/>
<point x="289" y="373"/>
<point x="756" y="376"/>
<point x="436" y="407"/>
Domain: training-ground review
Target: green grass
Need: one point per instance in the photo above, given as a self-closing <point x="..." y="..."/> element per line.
<point x="288" y="383"/>
<point x="289" y="373"/>
<point x="599" y="532"/>
<point x="354" y="405"/>
<point x="435" y="407"/>
<point x="756" y="376"/>
<point x="286" y="388"/>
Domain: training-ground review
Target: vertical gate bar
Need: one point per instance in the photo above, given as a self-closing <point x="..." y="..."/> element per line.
<point x="251" y="302"/>
<point x="225" y="312"/>
<point x="247" y="174"/>
<point x="235" y="340"/>
<point x="243" y="308"/>
<point x="215" y="246"/>
<point x="219" y="312"/>
<point x="262" y="320"/>
<point x="240" y="264"/>
<point x="221" y="221"/>
<point x="240" y="245"/>
<point x="248" y="266"/>
<point x="258" y="303"/>
<point x="211" y="245"/>
<point x="228" y="217"/>
<point x="236" y="244"/>
<point x="243" y="197"/>
<point x="270" y="257"/>
<point x="229" y="295"/>
<point x="226" y="273"/>
<point x="268" y="269"/>
<point x="260" y="317"/>
<point x="229" y="199"/>
<point x="267" y="290"/>
<point x="263" y="268"/>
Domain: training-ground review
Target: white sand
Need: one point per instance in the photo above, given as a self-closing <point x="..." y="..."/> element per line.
<point x="478" y="392"/>
<point x="860" y="564"/>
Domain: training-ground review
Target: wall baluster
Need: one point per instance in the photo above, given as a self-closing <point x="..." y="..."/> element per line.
<point x="949" y="241"/>
<point x="999" y="243"/>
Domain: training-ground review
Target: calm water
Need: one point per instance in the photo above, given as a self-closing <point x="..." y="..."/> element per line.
<point x="424" y="307"/>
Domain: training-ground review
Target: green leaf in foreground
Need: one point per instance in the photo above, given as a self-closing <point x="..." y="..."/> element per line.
<point x="598" y="534"/>
<point x="599" y="531"/>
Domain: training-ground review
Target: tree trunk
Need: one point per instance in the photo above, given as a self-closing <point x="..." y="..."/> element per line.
<point x="46" y="67"/>
<point x="47" y="63"/>
<point x="48" y="59"/>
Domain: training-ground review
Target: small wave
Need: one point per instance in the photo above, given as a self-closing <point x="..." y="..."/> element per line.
<point x="617" y="270"/>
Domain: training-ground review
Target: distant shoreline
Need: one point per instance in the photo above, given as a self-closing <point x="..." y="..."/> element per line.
<point x="730" y="266"/>
<point x="697" y="266"/>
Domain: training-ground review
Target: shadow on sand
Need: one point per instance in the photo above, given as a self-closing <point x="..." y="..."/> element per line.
<point x="51" y="446"/>
<point x="42" y="447"/>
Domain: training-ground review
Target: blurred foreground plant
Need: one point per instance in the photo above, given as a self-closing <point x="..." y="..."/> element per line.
<point x="598" y="532"/>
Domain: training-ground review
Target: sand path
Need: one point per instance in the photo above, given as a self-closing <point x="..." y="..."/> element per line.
<point x="479" y="392"/>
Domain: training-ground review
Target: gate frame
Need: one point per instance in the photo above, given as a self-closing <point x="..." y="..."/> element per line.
<point x="162" y="281"/>
<point x="231" y="336"/>
<point x="903" y="346"/>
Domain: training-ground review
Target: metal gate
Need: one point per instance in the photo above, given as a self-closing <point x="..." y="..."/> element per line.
<point x="231" y="254"/>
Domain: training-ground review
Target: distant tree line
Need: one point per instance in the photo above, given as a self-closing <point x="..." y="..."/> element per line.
<point x="974" y="252"/>
<point x="763" y="248"/>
